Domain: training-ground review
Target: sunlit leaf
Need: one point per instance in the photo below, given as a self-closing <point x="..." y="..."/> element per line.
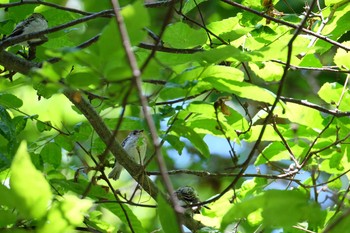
<point x="294" y="204"/>
<point x="334" y="93"/>
<point x="29" y="187"/>
<point x="342" y="57"/>
<point x="66" y="213"/>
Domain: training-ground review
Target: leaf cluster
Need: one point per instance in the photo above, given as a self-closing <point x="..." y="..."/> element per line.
<point x="246" y="103"/>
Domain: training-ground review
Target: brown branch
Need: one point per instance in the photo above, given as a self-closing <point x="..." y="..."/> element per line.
<point x="144" y="103"/>
<point x="13" y="62"/>
<point x="38" y="2"/>
<point x="335" y="112"/>
<point x="105" y="134"/>
<point x="285" y="143"/>
<point x="167" y="49"/>
<point x="181" y="99"/>
<point x="220" y="174"/>
<point x="329" y="69"/>
<point x="159" y="4"/>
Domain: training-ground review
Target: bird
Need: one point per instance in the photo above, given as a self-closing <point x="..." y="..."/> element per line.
<point x="187" y="195"/>
<point x="34" y="23"/>
<point x="135" y="145"/>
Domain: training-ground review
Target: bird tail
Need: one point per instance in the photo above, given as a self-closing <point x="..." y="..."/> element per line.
<point x="115" y="173"/>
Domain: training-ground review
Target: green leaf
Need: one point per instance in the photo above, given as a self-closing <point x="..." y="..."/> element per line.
<point x="222" y="53"/>
<point x="252" y="187"/>
<point x="5" y="162"/>
<point x="136" y="18"/>
<point x="336" y="26"/>
<point x="175" y="142"/>
<point x="7" y="197"/>
<point x="10" y="101"/>
<point x="310" y="60"/>
<point x="242" y="89"/>
<point x="46" y="89"/>
<point x="62" y="38"/>
<point x="342" y="57"/>
<point x="116" y="209"/>
<point x="66" y="213"/>
<point x="65" y="142"/>
<point x="191" y="82"/>
<point x="342" y="223"/>
<point x="20" y="13"/>
<point x="7" y="128"/>
<point x="190" y="4"/>
<point x="128" y="123"/>
<point x="29" y="187"/>
<point x="7" y="218"/>
<point x="294" y="205"/>
<point x="193" y="137"/>
<point x="43" y="126"/>
<point x="332" y="93"/>
<point x="269" y="71"/>
<point x="51" y="153"/>
<point x="228" y="29"/>
<point x="83" y="79"/>
<point x="109" y="53"/>
<point x="167" y="216"/>
<point x="186" y="37"/>
<point x="83" y="131"/>
<point x="111" y="56"/>
<point x="305" y="116"/>
<point x="95" y="219"/>
<point x="276" y="151"/>
<point x="19" y="123"/>
<point x="332" y="2"/>
<point x="204" y="120"/>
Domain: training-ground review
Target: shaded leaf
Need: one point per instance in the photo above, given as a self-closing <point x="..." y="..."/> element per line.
<point x="10" y="101"/>
<point x="51" y="153"/>
<point x="167" y="216"/>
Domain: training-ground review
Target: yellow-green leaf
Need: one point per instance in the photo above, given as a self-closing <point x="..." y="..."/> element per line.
<point x="29" y="186"/>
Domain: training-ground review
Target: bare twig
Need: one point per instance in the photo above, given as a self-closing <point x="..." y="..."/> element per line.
<point x="327" y="68"/>
<point x="305" y="103"/>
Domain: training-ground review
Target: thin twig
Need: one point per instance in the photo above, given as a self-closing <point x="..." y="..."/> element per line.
<point x="138" y="83"/>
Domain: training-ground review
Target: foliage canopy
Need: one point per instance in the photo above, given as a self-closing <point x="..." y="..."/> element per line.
<point x="247" y="101"/>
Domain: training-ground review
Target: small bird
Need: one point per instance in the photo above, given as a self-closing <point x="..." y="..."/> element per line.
<point x="135" y="145"/>
<point x="34" y="23"/>
<point x="187" y="195"/>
